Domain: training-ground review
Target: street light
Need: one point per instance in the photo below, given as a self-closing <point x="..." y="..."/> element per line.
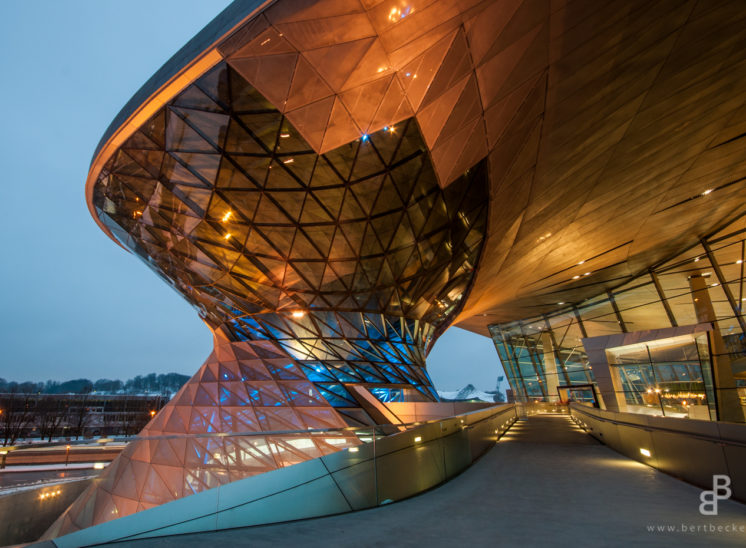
<point x="67" y="455"/>
<point x="4" y="454"/>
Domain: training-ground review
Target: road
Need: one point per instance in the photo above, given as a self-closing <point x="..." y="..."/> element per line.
<point x="56" y="455"/>
<point x="18" y="479"/>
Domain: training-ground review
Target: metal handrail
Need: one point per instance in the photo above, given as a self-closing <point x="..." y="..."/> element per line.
<point x="311" y="431"/>
<point x="649" y="428"/>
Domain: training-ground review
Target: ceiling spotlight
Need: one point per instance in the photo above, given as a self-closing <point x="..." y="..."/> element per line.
<point x="587" y="274"/>
<point x="575" y="277"/>
<point x="706" y="192"/>
<point x="298" y="313"/>
<point x="581" y="262"/>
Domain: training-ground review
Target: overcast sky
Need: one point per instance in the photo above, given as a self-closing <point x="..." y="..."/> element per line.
<point x="73" y="303"/>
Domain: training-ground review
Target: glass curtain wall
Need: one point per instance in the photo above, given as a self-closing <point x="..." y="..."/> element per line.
<point x="702" y="285"/>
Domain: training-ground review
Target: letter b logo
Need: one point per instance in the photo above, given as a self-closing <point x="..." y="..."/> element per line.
<point x="720" y="491"/>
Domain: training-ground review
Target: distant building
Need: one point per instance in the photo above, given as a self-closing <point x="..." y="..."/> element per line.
<point x="74" y="415"/>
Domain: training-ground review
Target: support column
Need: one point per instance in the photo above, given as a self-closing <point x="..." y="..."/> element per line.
<point x="728" y="404"/>
<point x="551" y="374"/>
<point x="607" y="378"/>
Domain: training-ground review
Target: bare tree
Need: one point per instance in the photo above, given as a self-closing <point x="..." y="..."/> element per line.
<point x="127" y="418"/>
<point x="16" y="415"/>
<point x="51" y="414"/>
<point x="80" y="416"/>
<point x="107" y="418"/>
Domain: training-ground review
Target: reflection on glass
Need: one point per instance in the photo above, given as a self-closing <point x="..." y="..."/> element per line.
<point x="663" y="377"/>
<point x="352" y="261"/>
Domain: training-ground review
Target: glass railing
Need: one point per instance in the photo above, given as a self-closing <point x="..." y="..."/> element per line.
<point x="218" y="480"/>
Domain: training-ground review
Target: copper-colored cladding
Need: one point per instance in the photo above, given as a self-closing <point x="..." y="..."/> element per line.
<point x="632" y="118"/>
<point x="595" y="117"/>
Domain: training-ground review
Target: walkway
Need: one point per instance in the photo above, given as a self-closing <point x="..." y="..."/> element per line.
<point x="546" y="483"/>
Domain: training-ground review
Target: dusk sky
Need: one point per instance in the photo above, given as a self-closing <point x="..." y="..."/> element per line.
<point x="73" y="303"/>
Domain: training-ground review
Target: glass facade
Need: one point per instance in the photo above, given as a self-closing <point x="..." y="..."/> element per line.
<point x="702" y="375"/>
<point x="351" y="261"/>
<point x="670" y="376"/>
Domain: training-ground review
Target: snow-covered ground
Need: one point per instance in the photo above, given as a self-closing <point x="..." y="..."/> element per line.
<point x="36" y="443"/>
<point x="469" y="392"/>
<point x="53" y="467"/>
